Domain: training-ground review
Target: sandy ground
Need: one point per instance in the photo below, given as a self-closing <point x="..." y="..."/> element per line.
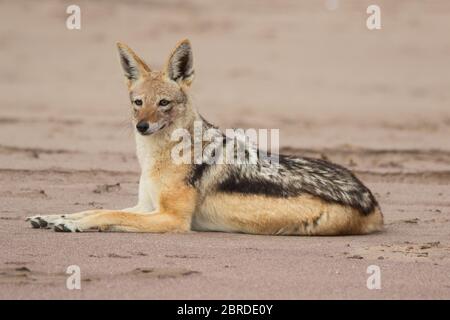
<point x="375" y="101"/>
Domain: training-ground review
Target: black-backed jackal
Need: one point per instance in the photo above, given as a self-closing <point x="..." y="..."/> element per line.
<point x="301" y="196"/>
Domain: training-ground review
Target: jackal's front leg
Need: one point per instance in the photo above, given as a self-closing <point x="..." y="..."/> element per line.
<point x="144" y="205"/>
<point x="176" y="207"/>
<point x="177" y="202"/>
<point x="126" y="222"/>
<point x="49" y="221"/>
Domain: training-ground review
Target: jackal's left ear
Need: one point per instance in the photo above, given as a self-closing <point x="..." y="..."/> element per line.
<point x="180" y="65"/>
<point x="133" y="66"/>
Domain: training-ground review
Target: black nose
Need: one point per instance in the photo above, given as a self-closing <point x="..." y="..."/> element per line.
<point x="142" y="126"/>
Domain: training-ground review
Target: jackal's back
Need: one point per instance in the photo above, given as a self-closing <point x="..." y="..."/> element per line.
<point x="305" y="196"/>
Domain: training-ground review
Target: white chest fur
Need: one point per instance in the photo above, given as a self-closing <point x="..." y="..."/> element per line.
<point x="149" y="189"/>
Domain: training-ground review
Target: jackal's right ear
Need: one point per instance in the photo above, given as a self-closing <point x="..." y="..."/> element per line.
<point x="133" y="66"/>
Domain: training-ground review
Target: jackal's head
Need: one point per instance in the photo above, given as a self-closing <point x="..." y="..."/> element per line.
<point x="158" y="98"/>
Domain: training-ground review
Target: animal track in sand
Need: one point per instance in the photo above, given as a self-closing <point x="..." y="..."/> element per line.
<point x="10" y="218"/>
<point x="20" y="263"/>
<point x="120" y="256"/>
<point x="24" y="275"/>
<point x="46" y="120"/>
<point x="426" y="252"/>
<point x="26" y="192"/>
<point x="32" y="152"/>
<point x="182" y="256"/>
<point x="162" y="273"/>
<point x="417" y="220"/>
<point x="107" y="188"/>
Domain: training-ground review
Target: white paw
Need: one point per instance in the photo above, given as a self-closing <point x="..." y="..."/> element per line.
<point x="45" y="222"/>
<point x="63" y="225"/>
<point x="38" y="222"/>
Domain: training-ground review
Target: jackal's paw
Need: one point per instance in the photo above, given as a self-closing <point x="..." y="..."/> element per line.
<point x="66" y="226"/>
<point x="45" y="222"/>
<point x="37" y="222"/>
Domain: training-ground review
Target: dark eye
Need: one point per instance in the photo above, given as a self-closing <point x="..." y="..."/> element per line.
<point x="163" y="102"/>
<point x="138" y="102"/>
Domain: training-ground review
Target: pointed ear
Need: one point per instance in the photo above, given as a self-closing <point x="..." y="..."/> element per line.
<point x="180" y="65"/>
<point x="133" y="66"/>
